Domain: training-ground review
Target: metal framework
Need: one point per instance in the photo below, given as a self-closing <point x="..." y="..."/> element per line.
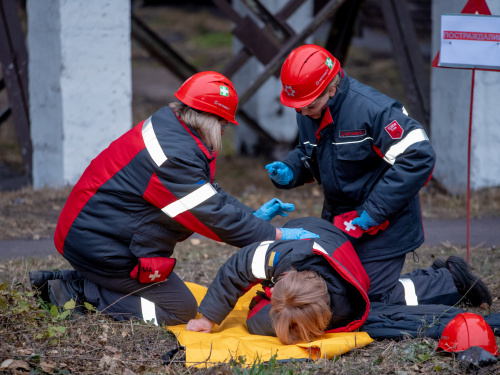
<point x="14" y="61"/>
<point x="270" y="40"/>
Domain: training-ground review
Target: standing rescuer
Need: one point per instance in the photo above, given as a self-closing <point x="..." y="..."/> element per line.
<point x="371" y="159"/>
<point x="152" y="187"/>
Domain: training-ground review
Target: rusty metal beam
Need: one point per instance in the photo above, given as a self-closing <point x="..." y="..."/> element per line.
<point x="160" y="50"/>
<point x="326" y="12"/>
<point x="14" y="60"/>
<point x="409" y="57"/>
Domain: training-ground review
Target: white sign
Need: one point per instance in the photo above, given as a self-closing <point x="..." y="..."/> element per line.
<point x="470" y="40"/>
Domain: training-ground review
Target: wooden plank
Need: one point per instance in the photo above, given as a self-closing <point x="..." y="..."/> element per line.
<point x="409" y="58"/>
<point x="14" y="61"/>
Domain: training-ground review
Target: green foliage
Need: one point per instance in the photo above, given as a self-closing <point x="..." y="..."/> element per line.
<point x="417" y="351"/>
<point x="213" y="40"/>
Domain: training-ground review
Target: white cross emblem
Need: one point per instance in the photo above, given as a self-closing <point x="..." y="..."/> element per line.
<point x="291" y="93"/>
<point x="224" y="91"/>
<point x="329" y="63"/>
<point x="154" y="276"/>
<point x="349" y="226"/>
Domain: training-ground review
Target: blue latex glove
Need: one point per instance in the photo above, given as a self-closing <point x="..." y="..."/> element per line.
<point x="272" y="208"/>
<point x="364" y="221"/>
<point x="296" y="234"/>
<point x="280" y="172"/>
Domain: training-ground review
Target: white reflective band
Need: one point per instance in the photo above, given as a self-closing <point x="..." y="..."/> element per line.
<point x="405" y="111"/>
<point x="410" y="294"/>
<point x="259" y="260"/>
<point x="346" y="143"/>
<point x="152" y="144"/>
<point x="317" y="246"/>
<point x="148" y="311"/>
<point x="309" y="143"/>
<point x="415" y="136"/>
<point x="190" y="201"/>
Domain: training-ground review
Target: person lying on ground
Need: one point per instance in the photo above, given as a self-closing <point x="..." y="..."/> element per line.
<point x="319" y="285"/>
<point x="151" y="188"/>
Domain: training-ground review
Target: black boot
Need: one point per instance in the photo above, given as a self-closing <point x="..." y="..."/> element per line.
<point x="39" y="279"/>
<point x="471" y="287"/>
<point x="62" y="291"/>
<point x="439" y="263"/>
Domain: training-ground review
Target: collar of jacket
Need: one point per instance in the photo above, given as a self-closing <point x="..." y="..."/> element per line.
<point x="333" y="106"/>
<point x="203" y="147"/>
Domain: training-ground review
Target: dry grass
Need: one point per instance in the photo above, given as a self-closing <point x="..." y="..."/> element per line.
<point x="94" y="343"/>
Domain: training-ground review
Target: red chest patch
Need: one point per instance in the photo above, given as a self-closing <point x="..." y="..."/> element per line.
<point x="395" y="130"/>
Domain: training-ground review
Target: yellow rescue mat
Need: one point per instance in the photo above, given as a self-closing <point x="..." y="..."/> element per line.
<point x="232" y="341"/>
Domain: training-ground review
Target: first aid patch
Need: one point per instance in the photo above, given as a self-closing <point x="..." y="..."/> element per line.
<point x="395" y="130"/>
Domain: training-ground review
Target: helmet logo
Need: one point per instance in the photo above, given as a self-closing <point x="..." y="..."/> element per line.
<point x="329" y="63"/>
<point x="222" y="105"/>
<point x="224" y="91"/>
<point x="321" y="79"/>
<point x="291" y="93"/>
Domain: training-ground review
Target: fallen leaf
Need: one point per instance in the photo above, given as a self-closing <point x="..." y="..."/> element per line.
<point x="6" y="363"/>
<point x="15" y="364"/>
<point x="48" y="367"/>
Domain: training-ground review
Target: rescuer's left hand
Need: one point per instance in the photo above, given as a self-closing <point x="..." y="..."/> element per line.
<point x="272" y="208"/>
<point x="364" y="221"/>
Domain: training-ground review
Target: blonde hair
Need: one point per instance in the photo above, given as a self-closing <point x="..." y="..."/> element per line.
<point x="300" y="307"/>
<point x="206" y="124"/>
<point x="334" y="82"/>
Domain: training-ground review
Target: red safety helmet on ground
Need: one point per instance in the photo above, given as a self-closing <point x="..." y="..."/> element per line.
<point x="305" y="74"/>
<point x="466" y="330"/>
<point x="210" y="92"/>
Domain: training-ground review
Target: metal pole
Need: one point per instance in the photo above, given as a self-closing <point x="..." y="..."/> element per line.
<point x="468" y="163"/>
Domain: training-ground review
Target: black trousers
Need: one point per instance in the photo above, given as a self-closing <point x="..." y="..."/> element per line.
<point x="419" y="287"/>
<point x="169" y="302"/>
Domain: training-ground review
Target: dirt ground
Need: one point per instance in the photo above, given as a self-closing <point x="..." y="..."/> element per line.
<point x="42" y="340"/>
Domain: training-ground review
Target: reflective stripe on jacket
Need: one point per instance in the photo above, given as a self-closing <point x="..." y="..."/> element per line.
<point x="151" y="188"/>
<point x="368" y="155"/>
<point x="331" y="256"/>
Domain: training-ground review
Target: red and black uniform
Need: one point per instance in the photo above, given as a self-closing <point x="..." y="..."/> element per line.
<point x="331" y="256"/>
<point x="151" y="188"/>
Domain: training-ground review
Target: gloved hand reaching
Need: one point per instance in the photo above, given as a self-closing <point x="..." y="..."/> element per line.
<point x="280" y="172"/>
<point x="272" y="208"/>
<point x="364" y="221"/>
<point x="296" y="234"/>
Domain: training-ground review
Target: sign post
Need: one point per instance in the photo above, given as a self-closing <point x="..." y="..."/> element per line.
<point x="470" y="41"/>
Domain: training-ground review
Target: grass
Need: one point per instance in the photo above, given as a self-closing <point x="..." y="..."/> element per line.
<point x="39" y="338"/>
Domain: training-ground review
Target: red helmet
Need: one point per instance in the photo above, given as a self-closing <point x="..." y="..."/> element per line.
<point x="210" y="92"/>
<point x="466" y="330"/>
<point x="305" y="74"/>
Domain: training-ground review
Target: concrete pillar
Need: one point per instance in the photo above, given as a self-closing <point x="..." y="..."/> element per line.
<point x="265" y="106"/>
<point x="450" y="104"/>
<point x="79" y="83"/>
